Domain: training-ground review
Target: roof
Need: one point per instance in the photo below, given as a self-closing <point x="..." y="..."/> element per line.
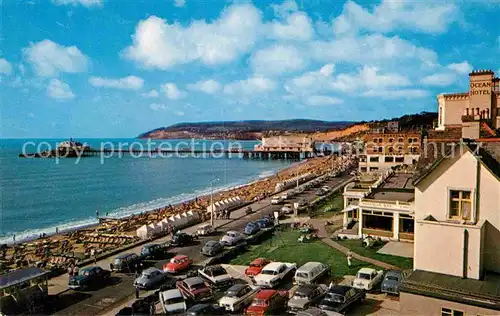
<point x="236" y="287"/>
<point x="339" y="289"/>
<point x="397" y="273"/>
<point x="366" y="270"/>
<point x="259" y="261"/>
<point x="194" y="280"/>
<point x="149" y="270"/>
<point x="180" y="257"/>
<point x="309" y="265"/>
<point x="305" y="289"/>
<point x="19" y="276"/>
<point x="484" y="293"/>
<point x="273" y="265"/>
<point x="398" y="181"/>
<point x="125" y="255"/>
<point x="387" y="195"/>
<point x="265" y="294"/>
<point x="171" y="293"/>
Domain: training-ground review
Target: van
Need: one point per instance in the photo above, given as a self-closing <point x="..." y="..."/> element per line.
<point x="311" y="272"/>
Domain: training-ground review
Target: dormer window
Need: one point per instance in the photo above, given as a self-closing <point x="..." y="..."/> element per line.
<point x="460" y="206"/>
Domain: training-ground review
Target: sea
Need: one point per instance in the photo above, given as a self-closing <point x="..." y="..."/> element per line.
<point x="38" y="195"/>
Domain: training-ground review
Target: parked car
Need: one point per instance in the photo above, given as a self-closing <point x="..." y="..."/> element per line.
<point x="267" y="302"/>
<point x="181" y="239"/>
<point x="237" y="297"/>
<point x="305" y="296"/>
<point x="276" y="200"/>
<point x="311" y="272"/>
<point x="367" y="278"/>
<point x="287" y="209"/>
<point x="391" y="282"/>
<point x="150" y="278"/>
<point x="325" y="188"/>
<point x="256" y="266"/>
<point x="194" y="289"/>
<point x="205" y="230"/>
<point x="178" y="264"/>
<point x="216" y="276"/>
<point x="172" y="302"/>
<point x="319" y="192"/>
<point x="251" y="228"/>
<point x="285" y="196"/>
<point x="265" y="222"/>
<point x="232" y="237"/>
<point x="153" y="251"/>
<point x="88" y="278"/>
<point x="273" y="273"/>
<point x="341" y="298"/>
<point x="127" y="262"/>
<point x="205" y="309"/>
<point x="211" y="248"/>
<point x="314" y="311"/>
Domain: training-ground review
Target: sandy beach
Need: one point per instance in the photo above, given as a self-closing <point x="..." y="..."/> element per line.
<point x="57" y="251"/>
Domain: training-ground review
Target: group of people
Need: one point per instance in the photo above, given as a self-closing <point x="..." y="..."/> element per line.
<point x="73" y="270"/>
<point x="223" y="214"/>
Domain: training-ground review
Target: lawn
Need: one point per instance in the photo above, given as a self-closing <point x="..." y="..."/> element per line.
<point x="284" y="247"/>
<point x="329" y="207"/>
<point x="355" y="246"/>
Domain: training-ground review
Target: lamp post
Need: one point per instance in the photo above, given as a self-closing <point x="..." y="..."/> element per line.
<point x="212" y="201"/>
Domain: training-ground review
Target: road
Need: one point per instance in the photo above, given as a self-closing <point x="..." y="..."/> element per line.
<point x="120" y="290"/>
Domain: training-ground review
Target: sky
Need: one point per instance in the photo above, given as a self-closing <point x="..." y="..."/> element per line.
<point x="117" y="68"/>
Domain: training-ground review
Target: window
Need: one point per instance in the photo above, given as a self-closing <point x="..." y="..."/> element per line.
<point x="409" y="140"/>
<point x="391" y="150"/>
<point x="389" y="159"/>
<point x="400" y="159"/>
<point x="380" y="149"/>
<point x="373" y="159"/>
<point x="401" y="140"/>
<point x="460" y="205"/>
<point x="391" y="140"/>
<point x="450" y="312"/>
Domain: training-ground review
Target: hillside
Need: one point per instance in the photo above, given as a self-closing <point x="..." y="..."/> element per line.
<point x="241" y="129"/>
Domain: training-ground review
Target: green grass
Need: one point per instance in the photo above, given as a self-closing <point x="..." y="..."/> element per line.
<point x="284" y="247"/>
<point x="355" y="246"/>
<point x="329" y="207"/>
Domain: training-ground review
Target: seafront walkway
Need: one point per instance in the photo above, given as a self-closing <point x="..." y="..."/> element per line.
<point x="326" y="238"/>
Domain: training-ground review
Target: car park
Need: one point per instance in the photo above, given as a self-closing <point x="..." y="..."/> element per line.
<point x="194" y="289"/>
<point x="88" y="278"/>
<point x="181" y="239"/>
<point x="172" y="302"/>
<point x="256" y="266"/>
<point x="150" y="278"/>
<point x="127" y="262"/>
<point x="267" y="302"/>
<point x="205" y="310"/>
<point x="367" y="278"/>
<point x="211" y="248"/>
<point x="392" y="281"/>
<point x="305" y="296"/>
<point x="341" y="298"/>
<point x="273" y="273"/>
<point x="237" y="297"/>
<point x="153" y="252"/>
<point x="178" y="264"/>
<point x="232" y="237"/>
<point x="205" y="230"/>
<point x="216" y="277"/>
<point x="311" y="272"/>
<point x="251" y="228"/>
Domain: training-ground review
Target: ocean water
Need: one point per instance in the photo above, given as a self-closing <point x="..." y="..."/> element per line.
<point x="38" y="195"/>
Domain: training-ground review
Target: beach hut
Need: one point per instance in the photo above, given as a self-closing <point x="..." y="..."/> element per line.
<point x="144" y="232"/>
<point x="164" y="224"/>
<point x="190" y="217"/>
<point x="219" y="206"/>
<point x="180" y="221"/>
<point x="155" y="229"/>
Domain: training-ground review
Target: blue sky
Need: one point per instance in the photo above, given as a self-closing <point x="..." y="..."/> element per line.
<point x="110" y="68"/>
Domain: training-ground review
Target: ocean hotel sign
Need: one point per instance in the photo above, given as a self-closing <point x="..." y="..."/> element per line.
<point x="480" y="88"/>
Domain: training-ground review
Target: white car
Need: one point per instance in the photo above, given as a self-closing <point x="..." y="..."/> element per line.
<point x="287" y="209"/>
<point x="216" y="276"/>
<point x="276" y="200"/>
<point x="232" y="238"/>
<point x="285" y="196"/>
<point x="237" y="297"/>
<point x="367" y="278"/>
<point x="204" y="230"/>
<point x="172" y="302"/>
<point x="273" y="273"/>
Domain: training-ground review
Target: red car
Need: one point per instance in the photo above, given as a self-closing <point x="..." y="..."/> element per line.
<point x="177" y="264"/>
<point x="256" y="266"/>
<point x="268" y="302"/>
<point x="194" y="289"/>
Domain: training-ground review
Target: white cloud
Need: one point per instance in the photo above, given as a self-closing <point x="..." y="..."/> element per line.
<point x="5" y="67"/>
<point x="172" y="92"/>
<point x="85" y="3"/>
<point x="311" y="81"/>
<point x="396" y="94"/>
<point x="157" y="106"/>
<point x="284" y="9"/>
<point x="60" y="90"/>
<point x="463" y="68"/>
<point x="179" y="3"/>
<point x="439" y="79"/>
<point x="130" y="82"/>
<point x="296" y="26"/>
<point x="278" y="59"/>
<point x="49" y="58"/>
<point x="369" y="49"/>
<point x="250" y="86"/>
<point x="368" y="78"/>
<point x="208" y="86"/>
<point x="319" y="100"/>
<point x="158" y="44"/>
<point x="151" y="94"/>
<point x="179" y="113"/>
<point x="388" y="16"/>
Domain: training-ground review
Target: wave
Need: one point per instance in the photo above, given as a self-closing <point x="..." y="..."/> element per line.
<point x="127" y="211"/>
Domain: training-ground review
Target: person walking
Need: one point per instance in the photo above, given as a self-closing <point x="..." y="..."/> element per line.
<point x="349" y="258"/>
